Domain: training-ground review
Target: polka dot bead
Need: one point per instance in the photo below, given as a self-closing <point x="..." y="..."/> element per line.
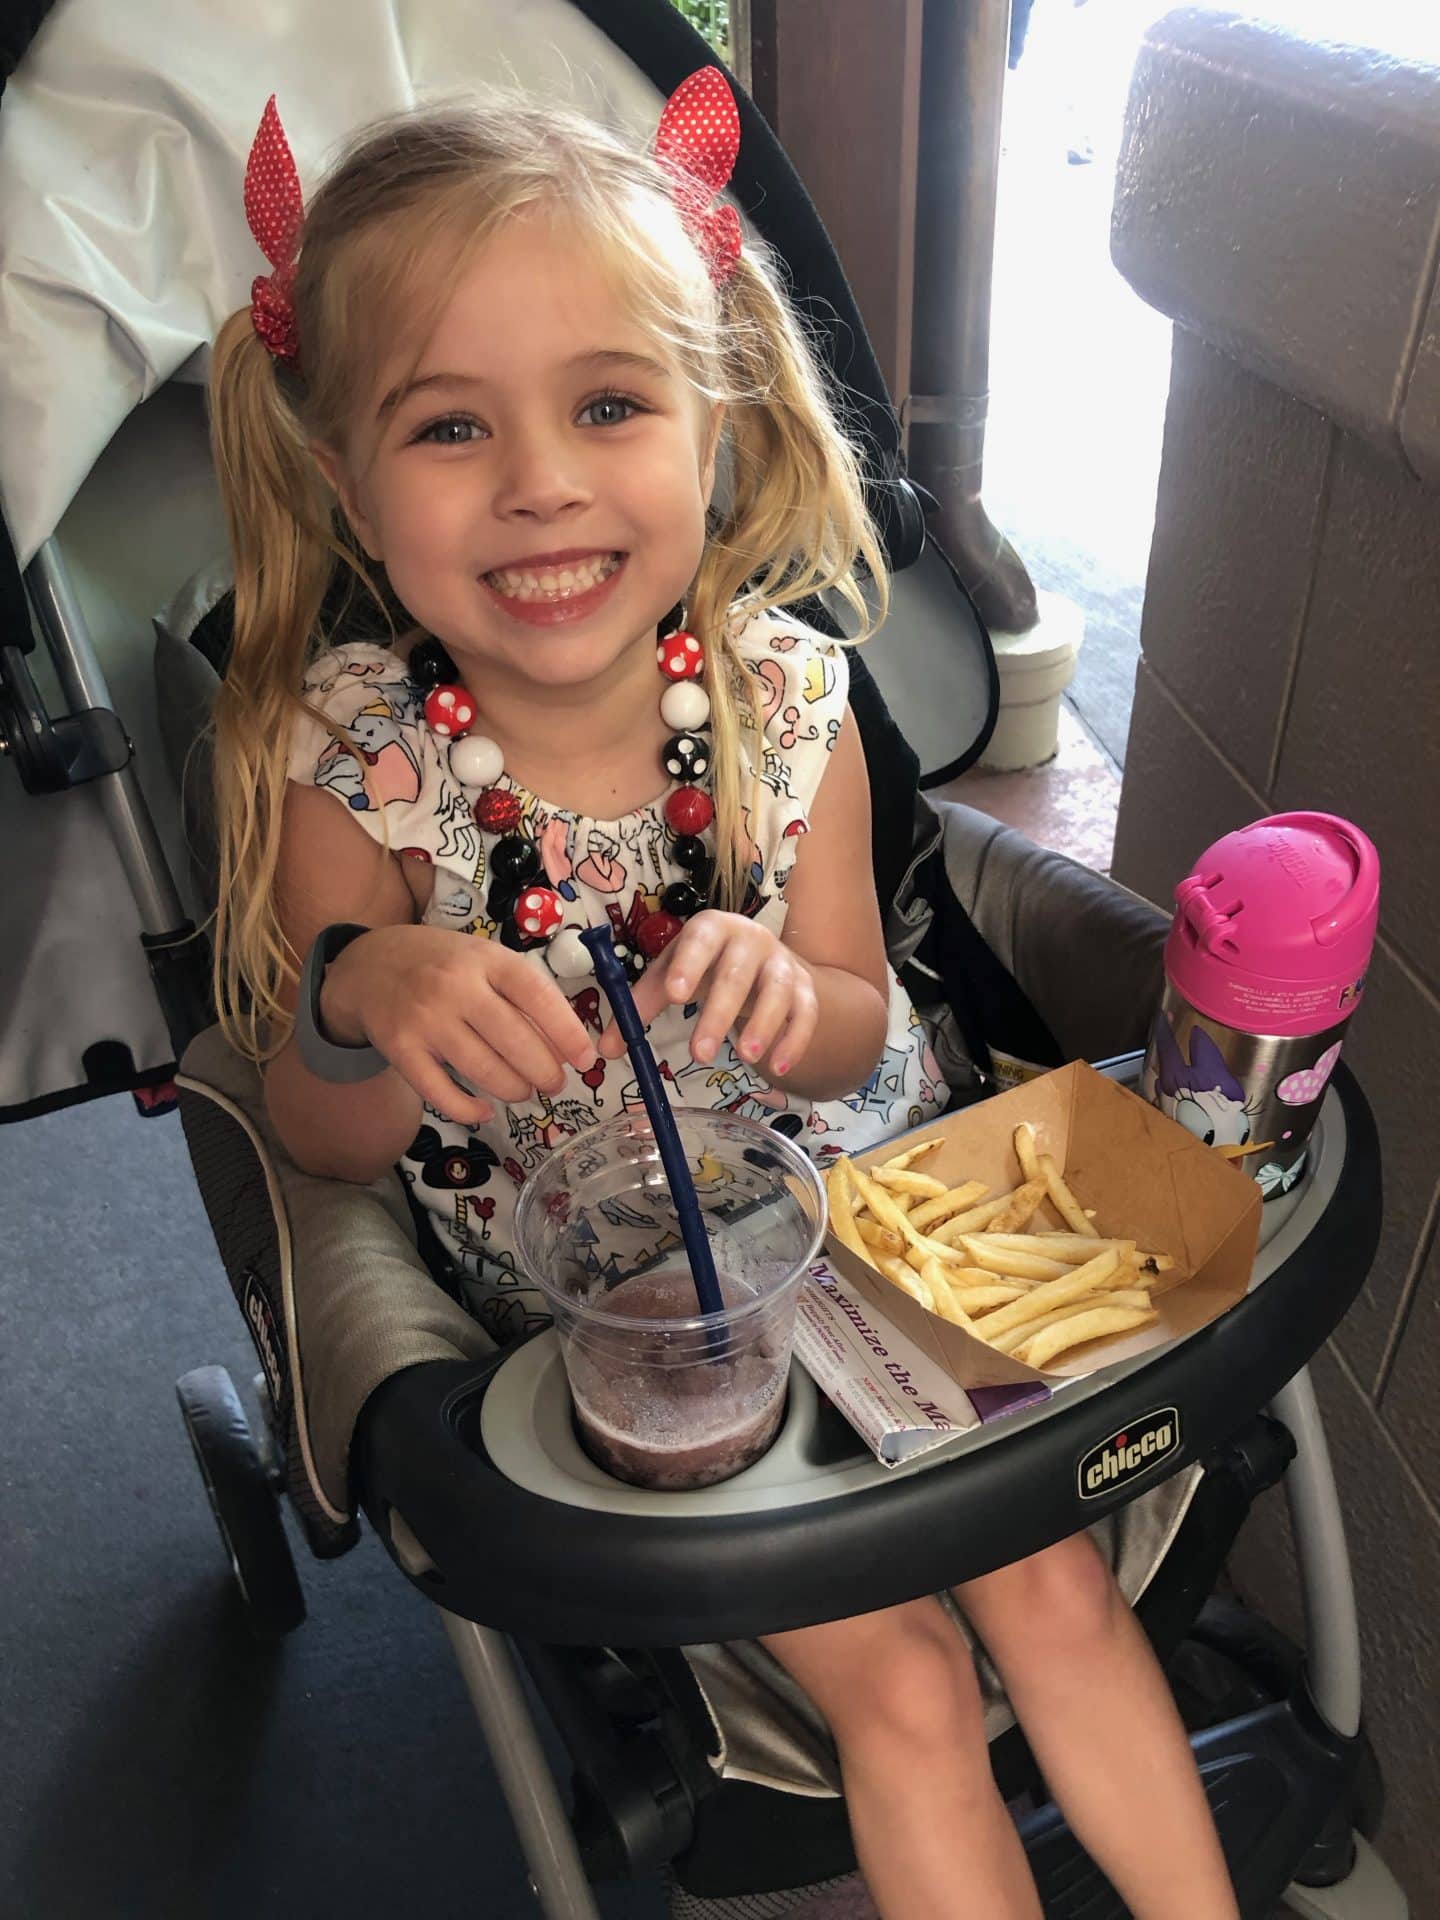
<point x="680" y="656"/>
<point x="449" y="711"/>
<point x="689" y="810"/>
<point x="685" y="705"/>
<point x="477" y="762"/>
<point x="539" y="912"/>
<point x="498" y="811"/>
<point x="686" y="757"/>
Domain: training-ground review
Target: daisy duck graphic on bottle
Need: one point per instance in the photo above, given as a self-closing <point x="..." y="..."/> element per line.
<point x="1264" y="964"/>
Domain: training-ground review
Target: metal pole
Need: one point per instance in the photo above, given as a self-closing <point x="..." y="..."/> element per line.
<point x="541" y="1823"/>
<point x="962" y="90"/>
<point x="122" y="800"/>
<point x="1332" y="1630"/>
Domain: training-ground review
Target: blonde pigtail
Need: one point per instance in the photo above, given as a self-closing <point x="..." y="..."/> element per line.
<point x="284" y="549"/>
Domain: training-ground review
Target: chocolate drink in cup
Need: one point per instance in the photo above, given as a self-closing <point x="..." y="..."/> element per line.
<point x="662" y="1408"/>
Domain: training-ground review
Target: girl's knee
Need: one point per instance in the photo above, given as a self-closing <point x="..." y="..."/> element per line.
<point x="1063" y="1597"/>
<point x="901" y="1679"/>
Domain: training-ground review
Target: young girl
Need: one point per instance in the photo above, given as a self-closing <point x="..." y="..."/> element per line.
<point x="533" y="389"/>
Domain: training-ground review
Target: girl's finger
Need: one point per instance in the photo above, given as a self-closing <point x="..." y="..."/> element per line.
<point x="732" y="977"/>
<point x="547" y="1010"/>
<point x="692" y="953"/>
<point x="771" y="1006"/>
<point x="506" y="1074"/>
<point x="799" y="1031"/>
<point x="427" y="1077"/>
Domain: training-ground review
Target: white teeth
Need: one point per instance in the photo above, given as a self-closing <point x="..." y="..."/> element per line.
<point x="553" y="583"/>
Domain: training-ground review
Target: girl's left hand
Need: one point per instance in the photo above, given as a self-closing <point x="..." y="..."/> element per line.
<point x="735" y="968"/>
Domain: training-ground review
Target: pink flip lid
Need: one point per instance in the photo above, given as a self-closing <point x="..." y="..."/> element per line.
<point x="1275" y="923"/>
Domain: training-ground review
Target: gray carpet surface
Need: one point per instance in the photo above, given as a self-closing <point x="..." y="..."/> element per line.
<point x="155" y="1764"/>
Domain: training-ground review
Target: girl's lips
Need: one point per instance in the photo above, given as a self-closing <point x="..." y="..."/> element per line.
<point x="557" y="612"/>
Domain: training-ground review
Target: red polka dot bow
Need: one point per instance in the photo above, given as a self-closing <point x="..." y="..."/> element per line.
<point x="274" y="209"/>
<point x="697" y="143"/>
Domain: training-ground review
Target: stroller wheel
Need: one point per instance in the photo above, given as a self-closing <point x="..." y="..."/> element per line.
<point x="242" y="1500"/>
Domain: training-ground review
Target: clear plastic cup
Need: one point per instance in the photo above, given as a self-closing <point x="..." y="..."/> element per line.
<point x="665" y="1396"/>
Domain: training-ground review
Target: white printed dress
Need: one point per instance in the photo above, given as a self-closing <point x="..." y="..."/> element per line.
<point x="399" y="785"/>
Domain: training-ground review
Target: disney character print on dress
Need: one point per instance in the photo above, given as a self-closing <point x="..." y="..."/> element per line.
<point x="600" y="870"/>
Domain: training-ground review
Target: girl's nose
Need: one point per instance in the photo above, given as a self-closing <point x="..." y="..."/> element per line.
<point x="541" y="480"/>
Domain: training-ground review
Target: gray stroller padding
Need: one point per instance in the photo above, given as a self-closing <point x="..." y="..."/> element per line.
<point x="325" y="1273"/>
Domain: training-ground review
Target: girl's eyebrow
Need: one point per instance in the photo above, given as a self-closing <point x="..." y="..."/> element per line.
<point x="591" y="356"/>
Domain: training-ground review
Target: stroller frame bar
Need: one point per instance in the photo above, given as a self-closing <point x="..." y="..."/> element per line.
<point x="82" y="681"/>
<point x="1327" y="1588"/>
<point x="542" y="1825"/>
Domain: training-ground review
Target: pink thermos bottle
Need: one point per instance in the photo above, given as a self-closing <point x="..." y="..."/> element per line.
<point x="1264" y="964"/>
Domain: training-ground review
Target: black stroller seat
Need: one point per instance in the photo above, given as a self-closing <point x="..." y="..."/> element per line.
<point x="396" y="1414"/>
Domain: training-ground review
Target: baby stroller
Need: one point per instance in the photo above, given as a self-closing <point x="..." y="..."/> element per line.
<point x="379" y="1393"/>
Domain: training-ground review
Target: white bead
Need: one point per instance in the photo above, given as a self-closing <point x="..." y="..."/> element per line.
<point x="568" y="955"/>
<point x="685" y="703"/>
<point x="476" y="761"/>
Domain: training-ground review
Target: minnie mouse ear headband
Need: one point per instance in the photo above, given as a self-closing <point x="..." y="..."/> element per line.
<point x="697" y="144"/>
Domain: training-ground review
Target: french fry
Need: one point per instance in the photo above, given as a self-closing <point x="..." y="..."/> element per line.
<point x="1046" y="1347"/>
<point x="970" y="1222"/>
<point x="900" y="1180"/>
<point x="954" y="1200"/>
<point x="1023" y="1202"/>
<point x="1025" y="1151"/>
<point x="1080" y="1246"/>
<point x="1095" y="1276"/>
<point x="912" y="1154"/>
<point x="842" y="1213"/>
<point x="948" y="1303"/>
<point x="886" y="1208"/>
<point x="906" y="1279"/>
<point x="1021" y="1266"/>
<point x="1064" y="1201"/>
<point x="886" y="1239"/>
<point x="983" y="1299"/>
<point x="1019" y="1336"/>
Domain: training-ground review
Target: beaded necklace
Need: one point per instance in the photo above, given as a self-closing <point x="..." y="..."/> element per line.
<point x="529" y="913"/>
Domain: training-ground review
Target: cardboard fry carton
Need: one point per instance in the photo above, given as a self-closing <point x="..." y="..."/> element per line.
<point x="1146" y="1179"/>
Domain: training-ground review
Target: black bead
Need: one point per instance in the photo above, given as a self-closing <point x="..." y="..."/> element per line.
<point x="681" y="899"/>
<point x="672" y="623"/>
<point x="500" y="901"/>
<point x="632" y="960"/>
<point x="431" y="666"/>
<point x="686" y="757"/>
<point x="514" y="860"/>
<point x="691" y="853"/>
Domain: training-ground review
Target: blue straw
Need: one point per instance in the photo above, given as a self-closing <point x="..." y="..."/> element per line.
<point x="611" y="976"/>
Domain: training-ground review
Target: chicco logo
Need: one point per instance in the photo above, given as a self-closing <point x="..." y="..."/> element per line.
<point x="1128" y="1453"/>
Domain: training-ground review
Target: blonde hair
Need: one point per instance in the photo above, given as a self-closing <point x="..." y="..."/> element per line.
<point x="430" y="187"/>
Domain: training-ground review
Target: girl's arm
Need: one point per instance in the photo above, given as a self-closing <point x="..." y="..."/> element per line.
<point x="434" y="1001"/>
<point x="833" y="925"/>
<point x="330" y="869"/>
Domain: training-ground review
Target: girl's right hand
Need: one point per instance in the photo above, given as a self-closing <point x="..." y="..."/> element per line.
<point x="432" y="999"/>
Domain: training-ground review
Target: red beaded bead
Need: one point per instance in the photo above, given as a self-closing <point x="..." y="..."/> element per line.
<point x="688" y="810"/>
<point x="497" y="810"/>
<point x="655" y="933"/>
<point x="539" y="911"/>
<point x="680" y="657"/>
<point x="449" y="711"/>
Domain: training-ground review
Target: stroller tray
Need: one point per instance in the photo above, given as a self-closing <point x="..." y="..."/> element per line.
<point x="474" y="1478"/>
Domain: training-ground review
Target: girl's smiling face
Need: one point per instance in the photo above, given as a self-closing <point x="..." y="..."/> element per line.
<point x="536" y="486"/>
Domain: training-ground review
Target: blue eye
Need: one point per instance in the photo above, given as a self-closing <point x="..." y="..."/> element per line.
<point x="455" y="430"/>
<point x="610" y="409"/>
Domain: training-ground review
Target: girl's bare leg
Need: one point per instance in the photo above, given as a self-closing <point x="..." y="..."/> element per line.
<point x="1090" y="1695"/>
<point x="899" y="1691"/>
